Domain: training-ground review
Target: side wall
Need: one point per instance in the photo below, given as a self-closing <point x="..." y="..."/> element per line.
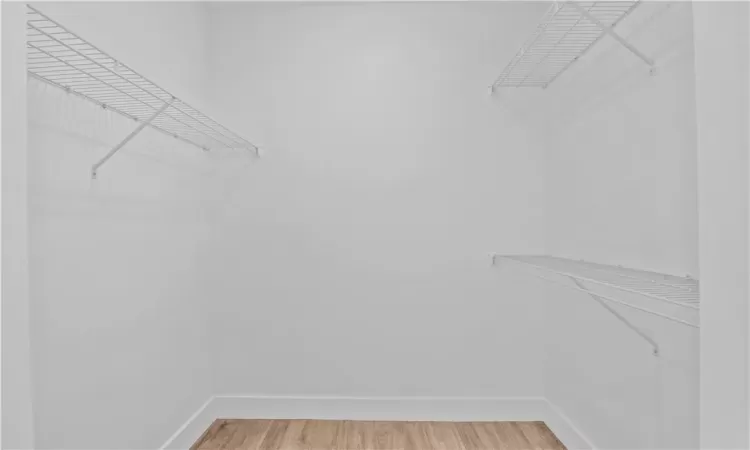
<point x="721" y="41"/>
<point x="119" y="332"/>
<point x="623" y="178"/>
<point x="17" y="423"/>
<point x="356" y="258"/>
<point x="622" y="185"/>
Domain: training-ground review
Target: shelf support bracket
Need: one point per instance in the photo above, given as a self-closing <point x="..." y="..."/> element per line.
<point x="127" y="139"/>
<point x="619" y="316"/>
<point x="615" y="36"/>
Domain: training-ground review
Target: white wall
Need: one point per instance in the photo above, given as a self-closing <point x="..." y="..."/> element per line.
<point x="721" y="67"/>
<point x="119" y="333"/>
<point x="622" y="189"/>
<point x="353" y="259"/>
<point x="17" y="423"/>
<point x="622" y="148"/>
<point x="355" y="256"/>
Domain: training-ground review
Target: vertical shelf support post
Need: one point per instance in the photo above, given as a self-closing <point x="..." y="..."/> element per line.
<point x="127" y="139"/>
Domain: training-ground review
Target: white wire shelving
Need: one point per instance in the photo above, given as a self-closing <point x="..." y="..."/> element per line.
<point x="61" y="58"/>
<point x="566" y="32"/>
<point x="669" y="297"/>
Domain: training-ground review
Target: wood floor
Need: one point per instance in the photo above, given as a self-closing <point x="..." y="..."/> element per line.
<point x="254" y="434"/>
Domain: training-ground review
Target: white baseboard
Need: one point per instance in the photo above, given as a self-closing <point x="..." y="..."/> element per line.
<point x="458" y="409"/>
<point x="565" y="430"/>
<point x="193" y="428"/>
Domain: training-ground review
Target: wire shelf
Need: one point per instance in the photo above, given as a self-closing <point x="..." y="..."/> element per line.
<point x="678" y="298"/>
<point x="61" y="58"/>
<point x="561" y="38"/>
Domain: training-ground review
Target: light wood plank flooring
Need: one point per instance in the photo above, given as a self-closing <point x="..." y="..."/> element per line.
<point x="247" y="434"/>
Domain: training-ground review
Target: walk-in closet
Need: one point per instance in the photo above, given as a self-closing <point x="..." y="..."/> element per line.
<point x="375" y="225"/>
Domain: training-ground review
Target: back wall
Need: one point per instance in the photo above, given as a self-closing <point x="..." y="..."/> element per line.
<point x="353" y="258"/>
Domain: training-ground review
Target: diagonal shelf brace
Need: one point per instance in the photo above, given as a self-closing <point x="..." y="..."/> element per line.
<point x="611" y="32"/>
<point x="619" y="316"/>
<point x="127" y="139"/>
<point x="604" y="300"/>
